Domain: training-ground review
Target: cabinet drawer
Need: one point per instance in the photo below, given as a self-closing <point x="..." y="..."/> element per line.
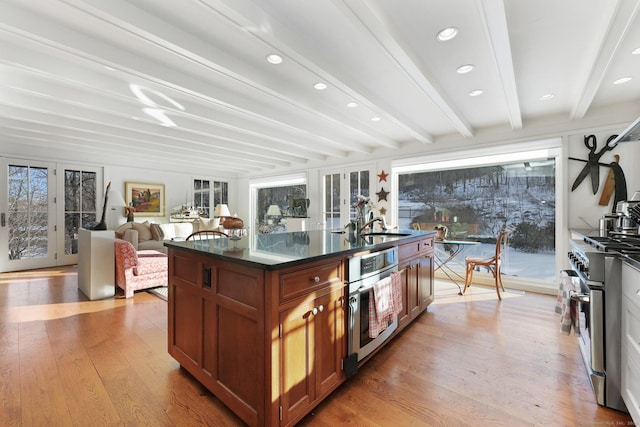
<point x="409" y="250"/>
<point x="426" y="245"/>
<point x="298" y="283"/>
<point x="631" y="284"/>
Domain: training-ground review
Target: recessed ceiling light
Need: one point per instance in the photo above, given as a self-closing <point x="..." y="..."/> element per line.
<point x="463" y="69"/>
<point x="547" y="96"/>
<point x="476" y="92"/>
<point x="447" y="34"/>
<point x="375" y="119"/>
<point x="320" y="86"/>
<point x="352" y="104"/>
<point x="274" y="58"/>
<point x="621" y="80"/>
<point x="636" y="51"/>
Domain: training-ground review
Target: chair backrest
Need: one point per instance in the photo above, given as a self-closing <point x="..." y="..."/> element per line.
<point x="501" y="242"/>
<point x="206" y="235"/>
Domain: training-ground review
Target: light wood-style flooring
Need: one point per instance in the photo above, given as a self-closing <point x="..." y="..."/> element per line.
<point x="66" y="361"/>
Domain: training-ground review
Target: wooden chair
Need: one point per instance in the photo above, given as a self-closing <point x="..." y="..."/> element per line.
<point x="492" y="264"/>
<point x="206" y="235"/>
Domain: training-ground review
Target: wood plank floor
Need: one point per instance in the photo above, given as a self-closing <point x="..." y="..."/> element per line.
<point x="66" y="361"/>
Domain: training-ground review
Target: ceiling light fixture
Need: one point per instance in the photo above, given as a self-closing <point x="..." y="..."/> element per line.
<point x="464" y="69"/>
<point x="447" y="34"/>
<point x="621" y="80"/>
<point x="274" y="59"/>
<point x="320" y="86"/>
<point x="547" y="96"/>
<point x="476" y="92"/>
<point x="352" y="104"/>
<point x="636" y="51"/>
<point x="375" y="119"/>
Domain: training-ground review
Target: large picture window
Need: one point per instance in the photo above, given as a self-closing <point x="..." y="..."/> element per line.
<point x="477" y="202"/>
<point x="274" y="200"/>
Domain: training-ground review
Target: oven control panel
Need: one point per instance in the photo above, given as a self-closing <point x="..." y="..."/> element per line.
<point x="587" y="261"/>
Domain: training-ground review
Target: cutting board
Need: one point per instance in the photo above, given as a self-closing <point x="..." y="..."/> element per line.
<point x="609" y="186"/>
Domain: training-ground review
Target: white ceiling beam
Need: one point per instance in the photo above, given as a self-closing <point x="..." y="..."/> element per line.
<point x="280" y="39"/>
<point x="495" y="26"/>
<point x="163" y="35"/>
<point x="81" y="48"/>
<point x="365" y="15"/>
<point x="621" y="14"/>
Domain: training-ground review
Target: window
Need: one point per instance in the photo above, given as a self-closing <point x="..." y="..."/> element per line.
<point x="204" y="199"/>
<point x="288" y="193"/>
<point x="79" y="205"/>
<point x="476" y="202"/>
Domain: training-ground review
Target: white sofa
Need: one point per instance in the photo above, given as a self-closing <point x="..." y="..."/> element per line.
<point x="146" y="235"/>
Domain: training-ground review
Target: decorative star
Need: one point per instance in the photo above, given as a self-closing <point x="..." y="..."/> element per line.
<point x="383" y="211"/>
<point x="382" y="176"/>
<point x="382" y="195"/>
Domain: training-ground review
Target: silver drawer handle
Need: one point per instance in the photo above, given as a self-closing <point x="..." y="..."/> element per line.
<point x="581" y="298"/>
<point x="316" y="279"/>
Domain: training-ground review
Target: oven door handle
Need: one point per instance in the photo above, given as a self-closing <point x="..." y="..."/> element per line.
<point x="581" y="298"/>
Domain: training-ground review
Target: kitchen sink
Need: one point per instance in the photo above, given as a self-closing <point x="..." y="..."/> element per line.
<point x="385" y="233"/>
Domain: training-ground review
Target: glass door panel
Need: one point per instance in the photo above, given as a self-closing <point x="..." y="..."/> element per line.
<point x="28" y="216"/>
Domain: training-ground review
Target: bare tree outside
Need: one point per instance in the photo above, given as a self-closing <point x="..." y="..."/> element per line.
<point x="79" y="205"/>
<point x="476" y="203"/>
<point x="28" y="212"/>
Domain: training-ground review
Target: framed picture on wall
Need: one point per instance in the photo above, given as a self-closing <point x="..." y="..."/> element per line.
<point x="146" y="199"/>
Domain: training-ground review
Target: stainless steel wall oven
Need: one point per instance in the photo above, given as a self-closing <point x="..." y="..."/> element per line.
<point x="364" y="272"/>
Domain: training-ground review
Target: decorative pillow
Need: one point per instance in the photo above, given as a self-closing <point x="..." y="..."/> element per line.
<point x="209" y="223"/>
<point x="156" y="232"/>
<point x="144" y="230"/>
<point x="124" y="227"/>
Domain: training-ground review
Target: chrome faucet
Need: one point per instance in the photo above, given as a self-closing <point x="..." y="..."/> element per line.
<point x="374" y="220"/>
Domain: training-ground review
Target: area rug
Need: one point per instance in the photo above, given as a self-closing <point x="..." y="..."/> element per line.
<point x="161" y="292"/>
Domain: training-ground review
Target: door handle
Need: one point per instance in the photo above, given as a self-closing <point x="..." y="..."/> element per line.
<point x="2" y="220"/>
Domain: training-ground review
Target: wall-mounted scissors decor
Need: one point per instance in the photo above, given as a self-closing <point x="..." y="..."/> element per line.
<point x="592" y="167"/>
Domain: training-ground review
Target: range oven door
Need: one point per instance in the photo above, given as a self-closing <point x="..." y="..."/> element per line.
<point x="590" y="301"/>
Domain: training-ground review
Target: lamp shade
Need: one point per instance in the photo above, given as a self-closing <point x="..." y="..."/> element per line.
<point x="115" y="199"/>
<point x="221" y="210"/>
<point x="274" y="210"/>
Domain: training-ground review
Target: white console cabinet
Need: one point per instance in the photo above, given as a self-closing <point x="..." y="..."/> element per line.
<point x="631" y="340"/>
<point x="96" y="272"/>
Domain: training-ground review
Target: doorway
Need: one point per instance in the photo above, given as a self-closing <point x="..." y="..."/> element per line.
<point x="41" y="212"/>
<point x="341" y="189"/>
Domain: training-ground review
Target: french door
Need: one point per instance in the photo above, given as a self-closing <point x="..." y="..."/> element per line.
<point x="341" y="188"/>
<point x="27" y="217"/>
<point x="41" y="212"/>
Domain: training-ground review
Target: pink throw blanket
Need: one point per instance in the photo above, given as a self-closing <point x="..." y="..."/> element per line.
<point x="566" y="307"/>
<point x="385" y="302"/>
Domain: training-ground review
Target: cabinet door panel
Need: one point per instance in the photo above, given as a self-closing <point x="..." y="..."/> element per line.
<point x="297" y="346"/>
<point x="187" y="325"/>
<point x="329" y="340"/>
<point x="425" y="279"/>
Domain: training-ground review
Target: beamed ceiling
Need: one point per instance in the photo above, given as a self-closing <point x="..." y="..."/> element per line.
<point x="186" y="85"/>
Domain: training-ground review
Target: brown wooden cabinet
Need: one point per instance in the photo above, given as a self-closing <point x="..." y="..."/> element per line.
<point x="416" y="265"/>
<point x="270" y="343"/>
<point x="312" y="347"/>
<point x="216" y="325"/>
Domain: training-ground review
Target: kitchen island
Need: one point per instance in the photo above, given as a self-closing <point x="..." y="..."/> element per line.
<point x="261" y="321"/>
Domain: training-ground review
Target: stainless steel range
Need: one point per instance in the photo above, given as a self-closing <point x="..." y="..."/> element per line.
<point x="597" y="265"/>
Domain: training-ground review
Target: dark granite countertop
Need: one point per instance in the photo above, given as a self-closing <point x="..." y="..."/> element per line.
<point x="275" y="251"/>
